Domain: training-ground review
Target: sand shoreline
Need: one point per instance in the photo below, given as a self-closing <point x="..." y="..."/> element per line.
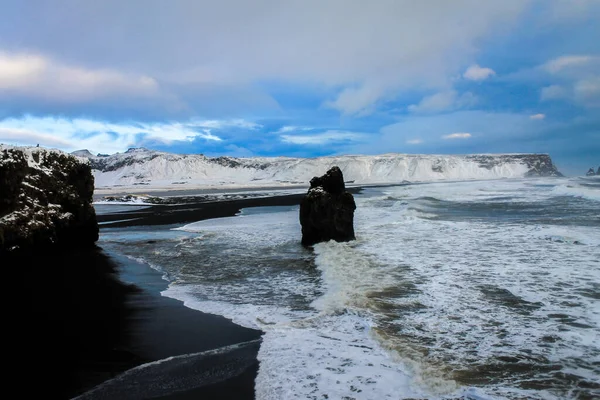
<point x="165" y="327"/>
<point x="161" y="327"/>
<point x="89" y="315"/>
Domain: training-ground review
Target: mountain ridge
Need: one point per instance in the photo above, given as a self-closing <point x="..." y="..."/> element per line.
<point x="140" y="166"/>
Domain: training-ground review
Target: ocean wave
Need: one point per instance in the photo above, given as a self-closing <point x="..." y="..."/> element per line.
<point x="586" y="192"/>
<point x="177" y="374"/>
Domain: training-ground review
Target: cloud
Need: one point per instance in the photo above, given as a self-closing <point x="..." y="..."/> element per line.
<point x="537" y="116"/>
<point x="584" y="92"/>
<point x="330" y="44"/>
<point x="19" y="70"/>
<point x="221" y="124"/>
<point x="357" y="101"/>
<point x="457" y="136"/>
<point x="236" y="55"/>
<point x="490" y="132"/>
<point x="587" y="91"/>
<point x="17" y="136"/>
<point x="323" y="138"/>
<point x="414" y="141"/>
<point x="577" y="80"/>
<point x="477" y="73"/>
<point x="291" y="128"/>
<point x="561" y="63"/>
<point x="443" y="101"/>
<point x="36" y="76"/>
<point x="104" y="137"/>
<point x="565" y="11"/>
<point x="553" y="92"/>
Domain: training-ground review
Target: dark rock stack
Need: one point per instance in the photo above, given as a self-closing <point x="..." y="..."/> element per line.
<point x="590" y="172"/>
<point x="45" y="201"/>
<point x="598" y="172"/>
<point x="327" y="210"/>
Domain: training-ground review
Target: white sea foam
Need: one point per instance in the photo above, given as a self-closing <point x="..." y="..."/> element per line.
<point x="577" y="190"/>
<point x="418" y="306"/>
<point x="327" y="349"/>
<point x="269" y="228"/>
<point x="485" y="290"/>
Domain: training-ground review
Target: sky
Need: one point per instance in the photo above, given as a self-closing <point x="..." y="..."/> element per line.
<point x="304" y="78"/>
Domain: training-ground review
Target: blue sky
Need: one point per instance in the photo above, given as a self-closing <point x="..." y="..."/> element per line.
<point x="304" y="78"/>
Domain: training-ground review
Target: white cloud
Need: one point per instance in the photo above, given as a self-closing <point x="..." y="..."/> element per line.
<point x="19" y="136"/>
<point x="291" y="128"/>
<point x="507" y="128"/>
<point x="578" y="78"/>
<point x="443" y="101"/>
<point x="359" y="101"/>
<point x="36" y="76"/>
<point x="565" y="11"/>
<point x="537" y="116"/>
<point x="414" y="141"/>
<point x="323" y="138"/>
<point x="19" y="70"/>
<point x="553" y="92"/>
<point x="587" y="91"/>
<point x="477" y="73"/>
<point x="329" y="44"/>
<point x="221" y="124"/>
<point x="457" y="136"/>
<point x="584" y="92"/>
<point x="98" y="136"/>
<point x="558" y="64"/>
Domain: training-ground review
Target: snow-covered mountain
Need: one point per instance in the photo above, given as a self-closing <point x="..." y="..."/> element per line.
<point x="139" y="166"/>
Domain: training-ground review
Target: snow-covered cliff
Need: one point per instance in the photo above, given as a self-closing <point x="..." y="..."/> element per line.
<point x="146" y="167"/>
<point x="45" y="200"/>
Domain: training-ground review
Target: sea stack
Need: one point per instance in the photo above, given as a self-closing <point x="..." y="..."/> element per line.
<point x="590" y="172"/>
<point x="45" y="201"/>
<point x="327" y="210"/>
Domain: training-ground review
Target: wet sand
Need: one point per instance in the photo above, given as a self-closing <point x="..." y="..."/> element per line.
<point x="85" y="316"/>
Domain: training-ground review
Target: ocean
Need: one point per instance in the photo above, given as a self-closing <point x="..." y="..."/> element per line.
<point x="474" y="290"/>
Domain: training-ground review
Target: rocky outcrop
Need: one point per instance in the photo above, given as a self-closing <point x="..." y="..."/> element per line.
<point x="327" y="210"/>
<point x="590" y="172"/>
<point x="45" y="201"/>
<point x="598" y="172"/>
<point x="537" y="164"/>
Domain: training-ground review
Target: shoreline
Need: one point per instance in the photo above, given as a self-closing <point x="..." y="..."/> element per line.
<point x="165" y="327"/>
<point x="85" y="316"/>
<point x="162" y="328"/>
<point x="145" y="214"/>
<point x="89" y="315"/>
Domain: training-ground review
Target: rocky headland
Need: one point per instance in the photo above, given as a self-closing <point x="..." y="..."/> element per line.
<point x="46" y="200"/>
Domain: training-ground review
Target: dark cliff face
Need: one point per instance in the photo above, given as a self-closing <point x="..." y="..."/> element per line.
<point x="46" y="200"/>
<point x="538" y="164"/>
<point x="592" y="173"/>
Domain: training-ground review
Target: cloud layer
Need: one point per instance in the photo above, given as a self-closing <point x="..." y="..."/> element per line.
<point x="302" y="77"/>
<point x="36" y="76"/>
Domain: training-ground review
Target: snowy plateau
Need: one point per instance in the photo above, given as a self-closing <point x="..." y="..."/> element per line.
<point x="143" y="169"/>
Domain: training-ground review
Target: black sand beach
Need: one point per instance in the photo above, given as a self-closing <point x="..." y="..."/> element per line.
<point x="81" y="324"/>
<point x="87" y="316"/>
